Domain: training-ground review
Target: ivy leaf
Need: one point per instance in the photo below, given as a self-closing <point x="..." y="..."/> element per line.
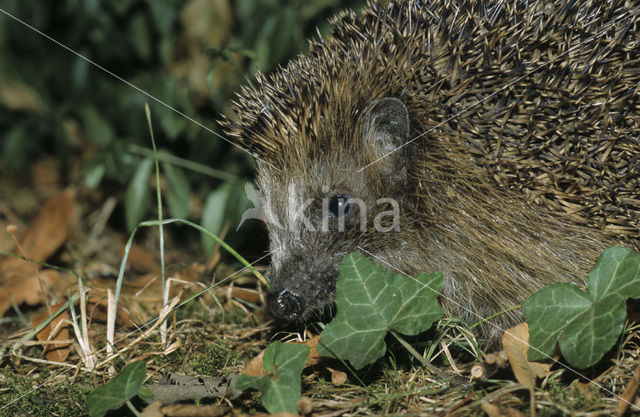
<point x="118" y="391"/>
<point x="585" y="325"/>
<point x="372" y="301"/>
<point x="281" y="387"/>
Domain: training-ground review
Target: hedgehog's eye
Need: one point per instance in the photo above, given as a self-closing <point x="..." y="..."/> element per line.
<point x="339" y="205"/>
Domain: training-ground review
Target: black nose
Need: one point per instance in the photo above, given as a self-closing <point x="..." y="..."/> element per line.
<point x="285" y="305"/>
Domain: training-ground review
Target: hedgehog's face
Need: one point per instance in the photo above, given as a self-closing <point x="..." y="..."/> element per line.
<point x="321" y="212"/>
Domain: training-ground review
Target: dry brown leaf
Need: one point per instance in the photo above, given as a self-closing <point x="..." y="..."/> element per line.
<point x="631" y="391"/>
<point x="22" y="284"/>
<point x="19" y="279"/>
<point x="56" y="351"/>
<point x="493" y="410"/>
<point x="141" y="260"/>
<point x="192" y="410"/>
<point x="49" y="229"/>
<point x="515" y="342"/>
<point x="97" y="310"/>
<point x="254" y="366"/>
<point x="143" y="290"/>
<point x="153" y="410"/>
<point x="6" y="238"/>
<point x="45" y="176"/>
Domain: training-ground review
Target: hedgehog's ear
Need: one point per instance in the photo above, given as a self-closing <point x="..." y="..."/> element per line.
<point x="386" y="129"/>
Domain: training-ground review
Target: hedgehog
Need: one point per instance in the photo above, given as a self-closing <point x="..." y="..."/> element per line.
<point x="496" y="142"/>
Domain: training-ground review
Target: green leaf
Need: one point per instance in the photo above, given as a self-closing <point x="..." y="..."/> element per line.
<point x="118" y="391"/>
<point x="238" y="204"/>
<point x="99" y="130"/>
<point x="140" y="37"/>
<point x="281" y="387"/>
<point x="163" y="16"/>
<point x="16" y="147"/>
<point x="178" y="191"/>
<point x="138" y="196"/>
<point x="94" y="174"/>
<point x="585" y="325"/>
<point x="214" y="214"/>
<point x="372" y="301"/>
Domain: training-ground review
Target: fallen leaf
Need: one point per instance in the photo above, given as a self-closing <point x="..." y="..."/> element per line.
<point x="192" y="410"/>
<point x="6" y="238"/>
<point x="142" y="296"/>
<point x="153" y="410"/>
<point x="54" y="351"/>
<point x="23" y="284"/>
<point x="631" y="391"/>
<point x="141" y="260"/>
<point x="97" y="310"/>
<point x="254" y="366"/>
<point x="45" y="176"/>
<point x="49" y="229"/>
<point x="281" y="387"/>
<point x="515" y="342"/>
<point x="20" y="279"/>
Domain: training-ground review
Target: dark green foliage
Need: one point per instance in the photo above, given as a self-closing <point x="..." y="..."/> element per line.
<point x="584" y="325"/>
<point x="281" y="386"/>
<point x="372" y="301"/>
<point x="114" y="394"/>
<point x="145" y="43"/>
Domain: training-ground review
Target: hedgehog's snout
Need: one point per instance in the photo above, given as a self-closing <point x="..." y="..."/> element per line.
<point x="285" y="305"/>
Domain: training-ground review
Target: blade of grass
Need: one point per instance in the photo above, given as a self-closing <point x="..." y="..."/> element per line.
<point x="219" y="241"/>
<point x="150" y="223"/>
<point x="46" y="322"/>
<point x="163" y="328"/>
<point x="184" y="163"/>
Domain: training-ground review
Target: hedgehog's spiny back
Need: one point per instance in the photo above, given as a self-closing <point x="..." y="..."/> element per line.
<point x="561" y="113"/>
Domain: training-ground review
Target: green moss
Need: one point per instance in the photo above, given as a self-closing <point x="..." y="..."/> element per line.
<point x="191" y="310"/>
<point x="59" y="399"/>
<point x="217" y="359"/>
<point x="572" y="397"/>
<point x="235" y="316"/>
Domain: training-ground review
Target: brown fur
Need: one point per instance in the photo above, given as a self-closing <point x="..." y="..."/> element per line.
<point x="527" y="159"/>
